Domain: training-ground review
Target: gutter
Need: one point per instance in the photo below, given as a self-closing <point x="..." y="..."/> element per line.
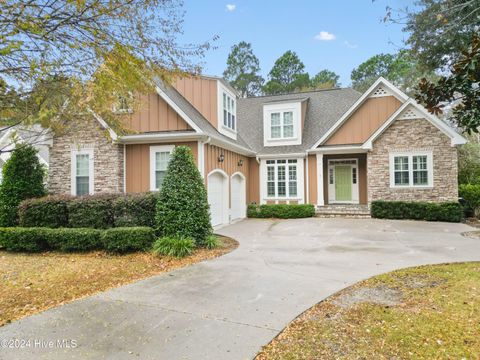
<point x="159" y="137"/>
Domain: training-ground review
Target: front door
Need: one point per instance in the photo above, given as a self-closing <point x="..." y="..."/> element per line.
<point x="343" y="183"/>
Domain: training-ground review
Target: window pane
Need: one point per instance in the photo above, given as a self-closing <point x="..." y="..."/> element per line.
<point x="82" y="185"/>
<point x="292" y="188"/>
<point x="281" y="161"/>
<point x="233" y="122"/>
<point x="161" y="160"/>
<point x="225" y="116"/>
<point x="420" y="177"/>
<point x="281" y="173"/>
<point x="354" y="175"/>
<point x="288" y="118"/>
<point x="82" y="164"/>
<point x="401" y="178"/>
<point x="420" y="162"/>
<point x="292" y="161"/>
<point x="292" y="173"/>
<point x="282" y="190"/>
<point x="271" y="188"/>
<point x="159" y="176"/>
<point x="270" y="161"/>
<point x="401" y="162"/>
<point x="275" y="117"/>
<point x="275" y="132"/>
<point x="224" y="101"/>
<point x="270" y="173"/>
<point x="288" y="131"/>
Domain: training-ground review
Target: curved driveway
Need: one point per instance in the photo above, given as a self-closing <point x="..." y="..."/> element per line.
<point x="229" y="307"/>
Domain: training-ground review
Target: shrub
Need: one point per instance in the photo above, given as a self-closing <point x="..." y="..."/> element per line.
<point x="177" y="247"/>
<point x="70" y="240"/>
<point x="24" y="239"/>
<point x="23" y="177"/>
<point x="93" y="211"/>
<point x="471" y="194"/>
<point x="135" y="210"/>
<point x="182" y="209"/>
<point x="445" y="211"/>
<point x="128" y="239"/>
<point x="49" y="211"/>
<point x="281" y="211"/>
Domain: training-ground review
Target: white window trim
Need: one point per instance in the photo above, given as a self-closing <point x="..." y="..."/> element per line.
<point x="73" y="169"/>
<point x="153" y="150"/>
<point x="296" y="109"/>
<point x="410" y="155"/>
<point x="225" y="130"/>
<point x="300" y="197"/>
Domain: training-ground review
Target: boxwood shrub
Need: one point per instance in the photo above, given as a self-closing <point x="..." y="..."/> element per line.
<point x="49" y="211"/>
<point x="444" y="211"/>
<point x="127" y="239"/>
<point x="24" y="239"/>
<point x="281" y="211"/>
<point x="135" y="210"/>
<point x="72" y="240"/>
<point x="94" y="211"/>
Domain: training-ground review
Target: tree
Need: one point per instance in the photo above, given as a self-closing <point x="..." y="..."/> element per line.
<point x="243" y="70"/>
<point x="469" y="161"/>
<point x="287" y="75"/>
<point x="459" y="92"/>
<point x="439" y="29"/>
<point x="23" y="178"/>
<point x="325" y="79"/>
<point x="182" y="209"/>
<point x="102" y="50"/>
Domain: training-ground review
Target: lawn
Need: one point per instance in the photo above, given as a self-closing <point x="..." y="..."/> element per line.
<point x="428" y="312"/>
<point x="31" y="283"/>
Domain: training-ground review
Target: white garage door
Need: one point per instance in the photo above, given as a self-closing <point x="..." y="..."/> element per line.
<point x="217" y="199"/>
<point x="238" y="197"/>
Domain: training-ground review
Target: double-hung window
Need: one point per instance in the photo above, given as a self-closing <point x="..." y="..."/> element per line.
<point x="281" y="125"/>
<point x="413" y="169"/>
<point x="159" y="158"/>
<point x="282" y="178"/>
<point x="82" y="172"/>
<point x="229" y="112"/>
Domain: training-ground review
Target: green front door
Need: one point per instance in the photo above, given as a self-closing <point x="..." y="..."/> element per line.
<point x="343" y="183"/>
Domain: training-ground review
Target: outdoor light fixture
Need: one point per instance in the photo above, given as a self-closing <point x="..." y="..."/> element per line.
<point x="240" y="162"/>
<point x="221" y="158"/>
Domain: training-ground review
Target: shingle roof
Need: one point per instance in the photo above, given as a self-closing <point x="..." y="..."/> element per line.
<point x="324" y="108"/>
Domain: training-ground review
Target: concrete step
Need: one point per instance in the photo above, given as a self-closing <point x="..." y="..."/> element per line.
<point x="343" y="210"/>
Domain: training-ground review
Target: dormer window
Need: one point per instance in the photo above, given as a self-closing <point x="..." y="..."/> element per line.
<point x="229" y="112"/>
<point x="281" y="125"/>
<point x="123" y="105"/>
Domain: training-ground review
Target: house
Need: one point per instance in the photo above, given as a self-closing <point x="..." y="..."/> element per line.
<point x="321" y="147"/>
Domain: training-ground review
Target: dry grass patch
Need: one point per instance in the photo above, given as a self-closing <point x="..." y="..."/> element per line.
<point x="31" y="283"/>
<point x="428" y="312"/>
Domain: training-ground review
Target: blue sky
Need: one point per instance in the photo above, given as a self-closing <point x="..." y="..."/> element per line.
<point x="337" y="35"/>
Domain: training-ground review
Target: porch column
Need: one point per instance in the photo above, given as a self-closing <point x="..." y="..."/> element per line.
<point x="320" y="199"/>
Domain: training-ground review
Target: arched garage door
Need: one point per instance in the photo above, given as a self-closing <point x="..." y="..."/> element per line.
<point x="217" y="187"/>
<point x="238" y="196"/>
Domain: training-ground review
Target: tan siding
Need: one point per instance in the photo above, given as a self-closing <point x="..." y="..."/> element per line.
<point x="138" y="165"/>
<point x="202" y="94"/>
<point x="154" y="114"/>
<point x="362" y="175"/>
<point x="312" y="179"/>
<point x="254" y="182"/>
<point x="363" y="123"/>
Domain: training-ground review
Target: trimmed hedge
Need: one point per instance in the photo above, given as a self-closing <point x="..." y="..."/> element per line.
<point x="471" y="194"/>
<point x="135" y="210"/>
<point x="94" y="211"/>
<point x="444" y="211"/>
<point x="24" y="239"/>
<point x="49" y="211"/>
<point x="127" y="239"/>
<point x="281" y="211"/>
<point x="73" y="240"/>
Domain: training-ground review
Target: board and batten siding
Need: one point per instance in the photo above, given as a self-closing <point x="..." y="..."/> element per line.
<point x="137" y="164"/>
<point x="154" y="114"/>
<point x="365" y="121"/>
<point x="202" y="94"/>
<point x="312" y="180"/>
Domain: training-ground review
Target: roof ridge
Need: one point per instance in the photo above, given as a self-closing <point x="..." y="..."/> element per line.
<point x="300" y="92"/>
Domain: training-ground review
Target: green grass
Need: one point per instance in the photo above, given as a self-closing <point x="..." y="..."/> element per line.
<point x="436" y="316"/>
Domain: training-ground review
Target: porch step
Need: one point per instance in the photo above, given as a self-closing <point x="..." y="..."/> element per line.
<point x="353" y="211"/>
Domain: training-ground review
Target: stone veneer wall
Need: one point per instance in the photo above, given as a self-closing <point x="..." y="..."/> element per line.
<point x="108" y="159"/>
<point x="408" y="135"/>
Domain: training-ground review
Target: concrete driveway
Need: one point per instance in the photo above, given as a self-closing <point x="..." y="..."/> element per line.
<point x="229" y="307"/>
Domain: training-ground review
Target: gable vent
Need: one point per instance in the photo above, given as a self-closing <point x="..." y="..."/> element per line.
<point x="380" y="91"/>
<point x="408" y="114"/>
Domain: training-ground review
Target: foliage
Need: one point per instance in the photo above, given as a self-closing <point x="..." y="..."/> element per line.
<point x="287" y="75"/>
<point x="243" y="70"/>
<point x="73" y="240"/>
<point x="471" y="194"/>
<point x="444" y="211"/>
<point x="325" y="79"/>
<point x="135" y="210"/>
<point x="176" y="247"/>
<point x="23" y="239"/>
<point x="49" y="211"/>
<point x="182" y="209"/>
<point x="211" y="242"/>
<point x="71" y="56"/>
<point x="23" y="177"/>
<point x="459" y="90"/>
<point x="127" y="239"/>
<point x="281" y="211"/>
<point x="95" y="211"/>
<point x="469" y="161"/>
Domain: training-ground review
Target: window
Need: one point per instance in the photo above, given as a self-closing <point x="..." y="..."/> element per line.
<point x="229" y="112"/>
<point x="123" y="105"/>
<point x="82" y="172"/>
<point x="282" y="178"/>
<point x="281" y="125"/>
<point x="159" y="158"/>
<point x="411" y="170"/>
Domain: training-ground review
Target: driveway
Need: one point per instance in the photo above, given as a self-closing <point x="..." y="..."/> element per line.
<point x="229" y="307"/>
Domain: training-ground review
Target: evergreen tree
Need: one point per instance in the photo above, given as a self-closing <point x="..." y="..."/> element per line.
<point x="287" y="75"/>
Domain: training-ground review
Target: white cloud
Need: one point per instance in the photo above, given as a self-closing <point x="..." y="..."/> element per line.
<point x="350" y="45"/>
<point x="325" y="36"/>
<point x="231" y="7"/>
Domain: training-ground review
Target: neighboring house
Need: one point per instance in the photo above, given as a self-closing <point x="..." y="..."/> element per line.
<point x="320" y="147"/>
<point x="35" y="135"/>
